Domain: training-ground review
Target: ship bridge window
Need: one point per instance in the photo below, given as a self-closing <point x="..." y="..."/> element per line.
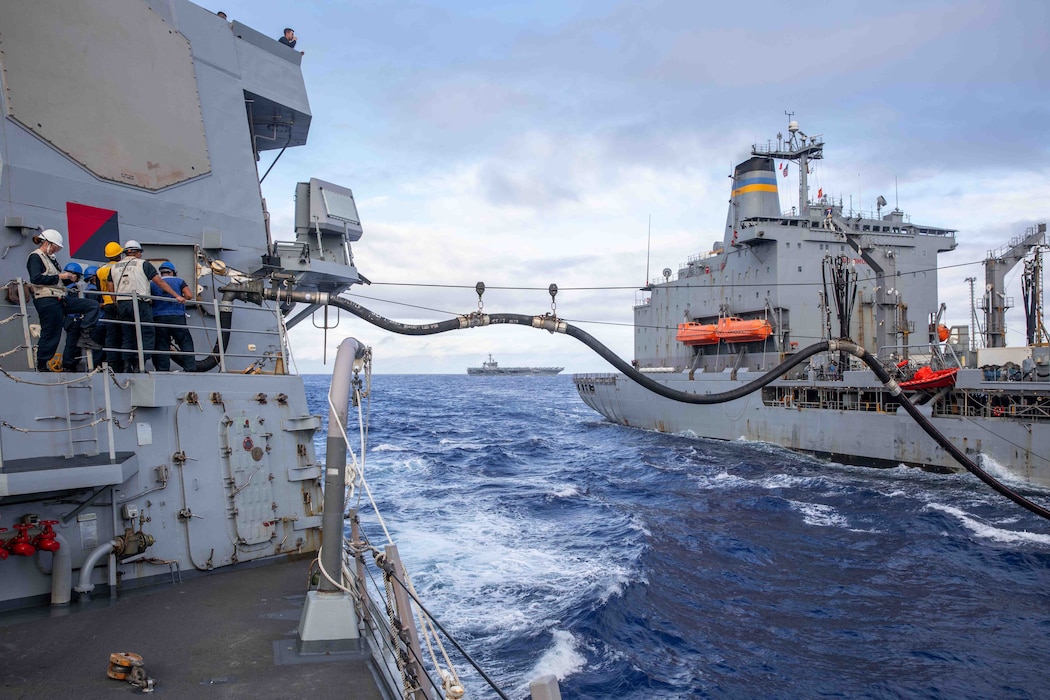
<point x="865" y="228"/>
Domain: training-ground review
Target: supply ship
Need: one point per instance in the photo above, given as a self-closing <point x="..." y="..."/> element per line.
<point x="491" y="368"/>
<point x="194" y="498"/>
<point x="776" y="282"/>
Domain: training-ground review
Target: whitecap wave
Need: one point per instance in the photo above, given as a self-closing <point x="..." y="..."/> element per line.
<point x="562" y="659"/>
<point x="1003" y="474"/>
<point x="991" y="532"/>
<point x="820" y="515"/>
<point x="388" y="447"/>
<point x="563" y="491"/>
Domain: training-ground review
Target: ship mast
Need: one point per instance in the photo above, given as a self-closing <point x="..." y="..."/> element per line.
<point x="798" y="148"/>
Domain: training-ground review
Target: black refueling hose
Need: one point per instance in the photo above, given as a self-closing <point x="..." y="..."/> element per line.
<point x="211" y="361"/>
<point x="256" y="292"/>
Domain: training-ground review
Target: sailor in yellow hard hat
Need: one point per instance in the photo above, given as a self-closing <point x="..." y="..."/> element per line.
<point x="114" y="335"/>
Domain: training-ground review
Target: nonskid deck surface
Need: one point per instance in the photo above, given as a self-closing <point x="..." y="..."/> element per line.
<point x="208" y="637"/>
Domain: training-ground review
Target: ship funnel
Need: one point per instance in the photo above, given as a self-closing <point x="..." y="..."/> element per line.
<point x="754" y="193"/>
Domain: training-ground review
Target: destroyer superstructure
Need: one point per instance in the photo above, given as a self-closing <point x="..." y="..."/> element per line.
<point x="822" y="271"/>
<point x="144" y="119"/>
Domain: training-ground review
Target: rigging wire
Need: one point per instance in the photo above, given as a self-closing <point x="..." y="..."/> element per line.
<point x="256" y="292"/>
<point x="613" y="288"/>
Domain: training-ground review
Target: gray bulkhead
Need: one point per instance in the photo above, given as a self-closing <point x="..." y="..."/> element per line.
<point x="218" y="468"/>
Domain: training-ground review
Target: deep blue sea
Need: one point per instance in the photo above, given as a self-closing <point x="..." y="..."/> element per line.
<point x="636" y="564"/>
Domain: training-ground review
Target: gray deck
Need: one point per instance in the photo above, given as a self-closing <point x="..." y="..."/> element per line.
<point x="208" y="637"/>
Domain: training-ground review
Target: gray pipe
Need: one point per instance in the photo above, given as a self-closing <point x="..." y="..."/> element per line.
<point x="335" y="464"/>
<point x="61" y="571"/>
<point x="85" y="586"/>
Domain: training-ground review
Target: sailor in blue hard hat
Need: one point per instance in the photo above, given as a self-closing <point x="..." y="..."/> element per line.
<point x="72" y="323"/>
<point x="170" y="317"/>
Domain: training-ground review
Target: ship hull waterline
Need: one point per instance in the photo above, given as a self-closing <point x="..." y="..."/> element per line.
<point x="1009" y="448"/>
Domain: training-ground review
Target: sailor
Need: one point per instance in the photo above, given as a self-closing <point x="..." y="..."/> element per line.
<point x="170" y="317"/>
<point x="49" y="298"/>
<point x="289" y="39"/>
<point x="91" y="287"/>
<point x="72" y="322"/>
<point x="114" y="331"/>
<point x="131" y="276"/>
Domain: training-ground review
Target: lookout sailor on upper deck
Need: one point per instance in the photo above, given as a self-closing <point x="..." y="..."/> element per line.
<point x="50" y="299"/>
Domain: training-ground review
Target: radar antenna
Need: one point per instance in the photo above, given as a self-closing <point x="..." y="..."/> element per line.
<point x="799" y="148"/>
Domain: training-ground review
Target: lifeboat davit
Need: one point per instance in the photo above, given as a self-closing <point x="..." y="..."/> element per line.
<point x="693" y="333"/>
<point x="736" y="330"/>
<point x="926" y="378"/>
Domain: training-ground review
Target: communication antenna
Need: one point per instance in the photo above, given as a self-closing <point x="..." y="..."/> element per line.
<point x="648" y="247"/>
<point x="975" y="324"/>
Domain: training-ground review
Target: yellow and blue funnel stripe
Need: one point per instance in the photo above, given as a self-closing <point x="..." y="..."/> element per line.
<point x="758" y="183"/>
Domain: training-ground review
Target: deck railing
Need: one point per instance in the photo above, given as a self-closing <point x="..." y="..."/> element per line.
<point x="210" y="313"/>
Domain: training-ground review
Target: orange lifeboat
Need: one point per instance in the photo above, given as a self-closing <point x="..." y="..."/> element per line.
<point x="926" y="378"/>
<point x="693" y="333"/>
<point x="736" y="330"/>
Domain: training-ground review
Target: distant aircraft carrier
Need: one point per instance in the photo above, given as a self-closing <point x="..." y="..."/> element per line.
<point x="492" y="367"/>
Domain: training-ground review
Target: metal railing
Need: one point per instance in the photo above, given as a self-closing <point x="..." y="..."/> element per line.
<point x="212" y="329"/>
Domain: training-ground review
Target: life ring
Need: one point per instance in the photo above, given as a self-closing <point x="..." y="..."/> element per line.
<point x="998" y="411"/>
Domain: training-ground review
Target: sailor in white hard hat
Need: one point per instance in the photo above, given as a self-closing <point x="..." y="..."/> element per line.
<point x="48" y="281"/>
<point x="131" y="279"/>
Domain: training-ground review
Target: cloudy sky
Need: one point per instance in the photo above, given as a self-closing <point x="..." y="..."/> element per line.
<point x="525" y="143"/>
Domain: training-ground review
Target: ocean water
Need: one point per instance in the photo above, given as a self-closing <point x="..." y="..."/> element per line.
<point x="638" y="564"/>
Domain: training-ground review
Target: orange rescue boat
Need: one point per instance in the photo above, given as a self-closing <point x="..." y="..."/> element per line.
<point x="926" y="378"/>
<point x="693" y="333"/>
<point x="736" y="330"/>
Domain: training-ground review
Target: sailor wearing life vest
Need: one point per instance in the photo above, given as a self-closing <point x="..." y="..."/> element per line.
<point x="114" y="332"/>
<point x="48" y="281"/>
<point x="129" y="277"/>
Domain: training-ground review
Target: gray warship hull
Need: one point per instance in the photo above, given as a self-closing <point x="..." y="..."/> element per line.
<point x="867" y="433"/>
<point x="515" y="371"/>
<point x="820" y="271"/>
